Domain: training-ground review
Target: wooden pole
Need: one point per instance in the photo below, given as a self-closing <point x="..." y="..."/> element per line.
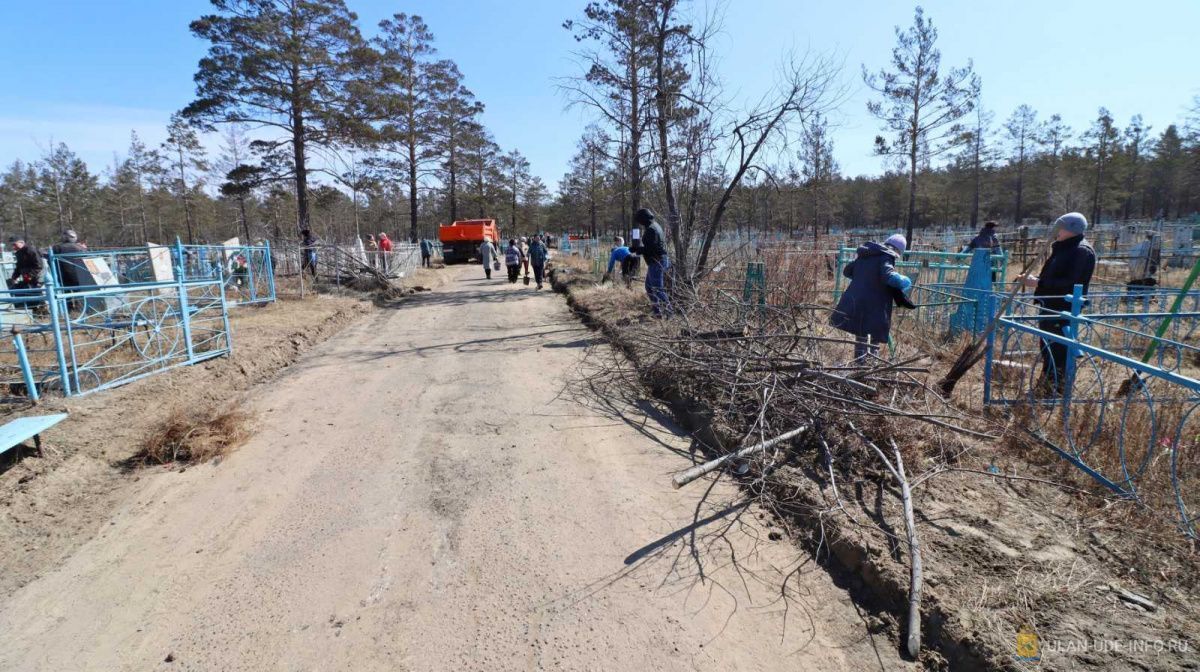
<point x="683" y="478"/>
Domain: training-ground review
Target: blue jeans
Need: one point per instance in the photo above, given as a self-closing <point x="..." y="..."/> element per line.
<point x="655" y="273"/>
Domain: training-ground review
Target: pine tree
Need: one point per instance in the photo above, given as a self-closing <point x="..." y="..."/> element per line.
<point x="188" y="162"/>
<point x="1022" y="131"/>
<point x="616" y="81"/>
<point x="516" y="176"/>
<point x="1103" y="139"/>
<point x="457" y="116"/>
<point x="920" y="105"/>
<point x="406" y="102"/>
<point x="1136" y="138"/>
<point x="819" y="170"/>
<point x="282" y="65"/>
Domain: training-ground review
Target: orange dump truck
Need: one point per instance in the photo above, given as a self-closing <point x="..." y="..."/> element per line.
<point x="461" y="239"/>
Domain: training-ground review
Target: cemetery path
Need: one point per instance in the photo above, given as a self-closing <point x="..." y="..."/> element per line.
<point x="441" y="487"/>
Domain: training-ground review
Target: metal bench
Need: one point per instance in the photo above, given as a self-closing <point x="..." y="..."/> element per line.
<point x="19" y="431"/>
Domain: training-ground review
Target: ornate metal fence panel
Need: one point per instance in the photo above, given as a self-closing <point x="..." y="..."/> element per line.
<point x="116" y="335"/>
<point x="247" y="272"/>
<point x="1130" y="424"/>
<point x="108" y="317"/>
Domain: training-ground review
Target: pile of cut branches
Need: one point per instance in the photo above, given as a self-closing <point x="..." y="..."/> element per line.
<point x="777" y="386"/>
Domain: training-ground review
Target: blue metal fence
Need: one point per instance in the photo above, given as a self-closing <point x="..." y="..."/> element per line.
<point x="245" y="271"/>
<point x="1130" y="425"/>
<point x="125" y="314"/>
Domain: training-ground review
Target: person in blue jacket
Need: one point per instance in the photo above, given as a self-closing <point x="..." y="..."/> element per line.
<point x="865" y="308"/>
<point x="627" y="258"/>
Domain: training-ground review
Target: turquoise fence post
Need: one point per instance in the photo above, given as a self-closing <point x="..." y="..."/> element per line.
<point x="26" y="371"/>
<point x="1072" y="351"/>
<point x="185" y="317"/>
<point x="250" y="273"/>
<point x="56" y="322"/>
<point x="269" y="267"/>
<point x="837" y="275"/>
<point x="755" y="286"/>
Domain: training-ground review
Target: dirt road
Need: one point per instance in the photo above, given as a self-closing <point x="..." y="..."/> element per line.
<point x="433" y="490"/>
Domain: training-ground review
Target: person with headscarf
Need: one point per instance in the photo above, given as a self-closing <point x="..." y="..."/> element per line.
<point x="513" y="256"/>
<point x="1072" y="262"/>
<point x="525" y="257"/>
<point x="488" y="253"/>
<point x="865" y="308"/>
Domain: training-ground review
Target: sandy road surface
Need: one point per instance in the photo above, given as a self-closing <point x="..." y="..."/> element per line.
<point x="422" y="495"/>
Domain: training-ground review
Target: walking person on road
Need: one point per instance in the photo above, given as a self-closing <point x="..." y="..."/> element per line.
<point x="525" y="256"/>
<point x="538" y="254"/>
<point x="489" y="255"/>
<point x="1072" y="261"/>
<point x="865" y="309"/>
<point x="654" y="251"/>
<point x="512" y="259"/>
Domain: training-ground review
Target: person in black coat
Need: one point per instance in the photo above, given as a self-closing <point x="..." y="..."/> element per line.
<point x="71" y="272"/>
<point x="654" y="251"/>
<point x="1072" y="262"/>
<point x="986" y="239"/>
<point x="28" y="266"/>
<point x="865" y="308"/>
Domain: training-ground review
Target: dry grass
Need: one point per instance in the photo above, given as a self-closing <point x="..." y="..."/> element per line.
<point x="193" y="435"/>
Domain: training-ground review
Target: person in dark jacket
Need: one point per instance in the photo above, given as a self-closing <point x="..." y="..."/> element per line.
<point x="654" y="251"/>
<point x="986" y="239"/>
<point x="72" y="271"/>
<point x="865" y="308"/>
<point x="538" y="254"/>
<point x="1072" y="261"/>
<point x="28" y="266"/>
<point x="308" y="252"/>
<point x="513" y="258"/>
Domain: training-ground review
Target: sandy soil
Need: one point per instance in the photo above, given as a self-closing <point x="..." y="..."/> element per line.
<point x="435" y="490"/>
<point x="53" y="503"/>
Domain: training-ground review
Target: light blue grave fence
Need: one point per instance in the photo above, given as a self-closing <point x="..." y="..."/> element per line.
<point x="125" y="314"/>
<point x="1130" y="424"/>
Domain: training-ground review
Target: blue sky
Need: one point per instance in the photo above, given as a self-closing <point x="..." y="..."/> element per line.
<point x="86" y="72"/>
